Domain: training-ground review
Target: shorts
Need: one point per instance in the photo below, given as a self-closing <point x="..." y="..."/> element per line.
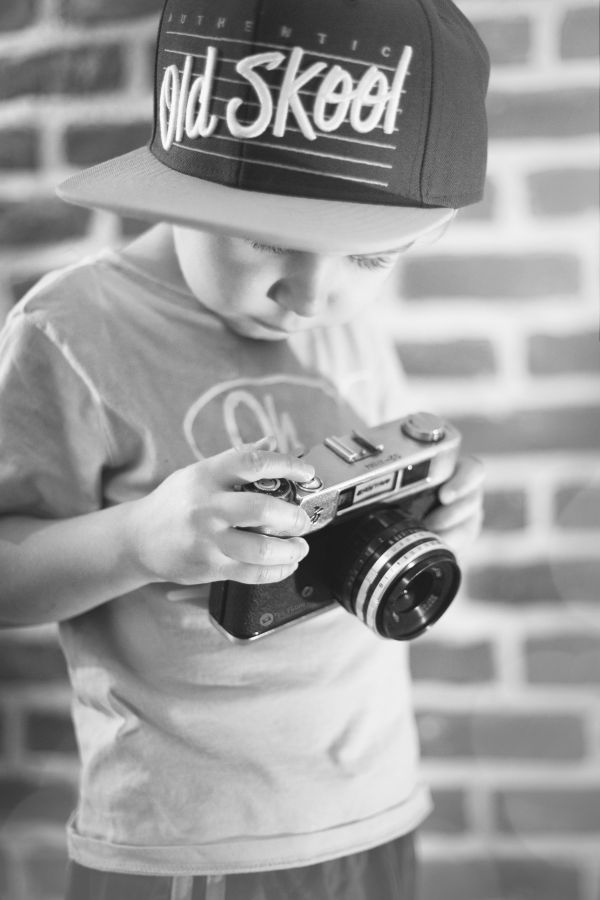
<point x="387" y="872"/>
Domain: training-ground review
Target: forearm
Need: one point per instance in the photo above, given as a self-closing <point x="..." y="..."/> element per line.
<point x="55" y="569"/>
<point x="194" y="528"/>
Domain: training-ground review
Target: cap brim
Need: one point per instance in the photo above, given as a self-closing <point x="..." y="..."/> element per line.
<point x="139" y="186"/>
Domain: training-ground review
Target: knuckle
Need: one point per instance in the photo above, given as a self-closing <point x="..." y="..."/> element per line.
<point x="264" y="551"/>
<point x="255" y="461"/>
<point x="243" y="573"/>
<point x="277" y="573"/>
<point x="264" y="574"/>
<point x="261" y="508"/>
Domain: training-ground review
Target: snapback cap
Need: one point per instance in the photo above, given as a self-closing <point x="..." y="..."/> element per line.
<point x="338" y="125"/>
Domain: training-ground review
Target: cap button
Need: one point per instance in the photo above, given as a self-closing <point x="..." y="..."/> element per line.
<point x="424" y="427"/>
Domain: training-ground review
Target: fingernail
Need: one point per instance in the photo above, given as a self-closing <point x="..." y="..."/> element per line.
<point x="303" y="547"/>
<point x="303" y="520"/>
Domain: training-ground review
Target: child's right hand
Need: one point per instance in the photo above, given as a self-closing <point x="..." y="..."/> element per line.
<point x="190" y="529"/>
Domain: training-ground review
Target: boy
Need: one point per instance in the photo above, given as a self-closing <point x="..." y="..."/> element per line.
<point x="299" y="148"/>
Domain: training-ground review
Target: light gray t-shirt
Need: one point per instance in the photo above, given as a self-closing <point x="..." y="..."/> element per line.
<point x="200" y="755"/>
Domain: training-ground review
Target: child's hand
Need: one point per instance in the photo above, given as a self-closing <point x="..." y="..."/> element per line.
<point x="459" y="518"/>
<point x="191" y="529"/>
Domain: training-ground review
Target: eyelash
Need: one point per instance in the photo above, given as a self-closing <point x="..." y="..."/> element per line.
<point x="266" y="248"/>
<point x="372" y="262"/>
<point x="363" y="262"/>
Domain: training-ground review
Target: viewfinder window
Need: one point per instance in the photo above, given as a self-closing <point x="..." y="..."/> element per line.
<point x="415" y="473"/>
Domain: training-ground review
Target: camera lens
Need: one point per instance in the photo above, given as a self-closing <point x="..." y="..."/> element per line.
<point x="393" y="574"/>
<point x="405" y="595"/>
<point x="418" y="599"/>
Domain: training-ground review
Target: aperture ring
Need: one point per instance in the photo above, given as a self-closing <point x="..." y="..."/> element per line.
<point x="374" y="584"/>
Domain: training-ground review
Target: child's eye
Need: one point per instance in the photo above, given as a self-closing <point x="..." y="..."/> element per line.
<point x="373" y="262"/>
<point x="265" y="248"/>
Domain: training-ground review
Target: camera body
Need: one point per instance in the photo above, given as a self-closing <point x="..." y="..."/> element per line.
<point x="369" y="550"/>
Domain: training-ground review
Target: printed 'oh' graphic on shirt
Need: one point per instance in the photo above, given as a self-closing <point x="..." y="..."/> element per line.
<point x="244" y="410"/>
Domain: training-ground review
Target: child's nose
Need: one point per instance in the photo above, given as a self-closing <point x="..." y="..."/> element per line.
<point x="307" y="285"/>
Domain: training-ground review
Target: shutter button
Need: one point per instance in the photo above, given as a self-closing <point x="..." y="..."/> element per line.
<point x="424" y="427"/>
<point x="314" y="484"/>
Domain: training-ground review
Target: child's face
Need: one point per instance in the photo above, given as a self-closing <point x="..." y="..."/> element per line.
<point x="269" y="293"/>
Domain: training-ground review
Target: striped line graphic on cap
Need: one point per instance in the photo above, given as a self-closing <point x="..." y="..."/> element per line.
<point x="284" y="48"/>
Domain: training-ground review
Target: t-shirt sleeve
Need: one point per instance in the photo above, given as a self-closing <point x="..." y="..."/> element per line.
<point x="53" y="444"/>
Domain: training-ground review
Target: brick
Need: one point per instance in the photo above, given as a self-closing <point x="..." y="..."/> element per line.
<point x="532" y="431"/>
<point x="16" y="14"/>
<point x="526" y="737"/>
<point x="6" y="876"/>
<point x="543" y="114"/>
<point x="19" y="149"/>
<point x="41" y="221"/>
<point x="498" y="878"/>
<point x="485" y="276"/>
<point x="432" y="660"/>
<point x="548" y="811"/>
<point x="563" y="354"/>
<point x="452" y="359"/>
<point x="563" y="660"/>
<point x="21" y="661"/>
<point x="508" y="40"/>
<point x="562" y="582"/>
<point x="45" y="870"/>
<point x="95" y="11"/>
<point x="579" y="34"/>
<point x="577" y="506"/>
<point x="23" y="800"/>
<point x="504" y="510"/>
<point x="73" y="71"/>
<point x="482" y="211"/>
<point x="49" y="733"/>
<point x="6" y="302"/>
<point x="560" y="192"/>
<point x="86" y="146"/>
<point x="448" y="816"/>
<point x="20" y="286"/>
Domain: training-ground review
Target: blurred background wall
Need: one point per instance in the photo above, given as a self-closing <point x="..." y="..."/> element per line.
<point x="497" y="327"/>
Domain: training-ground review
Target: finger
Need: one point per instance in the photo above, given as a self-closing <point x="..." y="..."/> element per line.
<point x="249" y="574"/>
<point x="258" y="549"/>
<point x="444" y="517"/>
<point x="250" y="462"/>
<point x="461" y="536"/>
<point x="246" y="509"/>
<point x="468" y="477"/>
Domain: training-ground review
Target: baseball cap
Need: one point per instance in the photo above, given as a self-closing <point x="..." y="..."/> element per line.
<point x="338" y="125"/>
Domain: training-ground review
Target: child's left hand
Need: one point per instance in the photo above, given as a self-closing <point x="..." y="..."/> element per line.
<point x="459" y="518"/>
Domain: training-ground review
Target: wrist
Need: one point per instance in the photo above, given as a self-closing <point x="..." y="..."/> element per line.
<point x="132" y="533"/>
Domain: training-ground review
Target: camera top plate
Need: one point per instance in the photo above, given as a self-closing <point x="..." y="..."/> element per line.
<point x="392" y="461"/>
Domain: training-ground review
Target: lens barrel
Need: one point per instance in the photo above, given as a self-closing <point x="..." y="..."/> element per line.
<point x="393" y="574"/>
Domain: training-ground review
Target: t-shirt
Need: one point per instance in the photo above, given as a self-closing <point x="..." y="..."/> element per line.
<point x="200" y="755"/>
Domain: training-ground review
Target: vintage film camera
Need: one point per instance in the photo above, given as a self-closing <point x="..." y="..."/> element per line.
<point x="369" y="550"/>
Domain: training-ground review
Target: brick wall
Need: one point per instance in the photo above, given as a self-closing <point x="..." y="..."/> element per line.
<point x="498" y="329"/>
